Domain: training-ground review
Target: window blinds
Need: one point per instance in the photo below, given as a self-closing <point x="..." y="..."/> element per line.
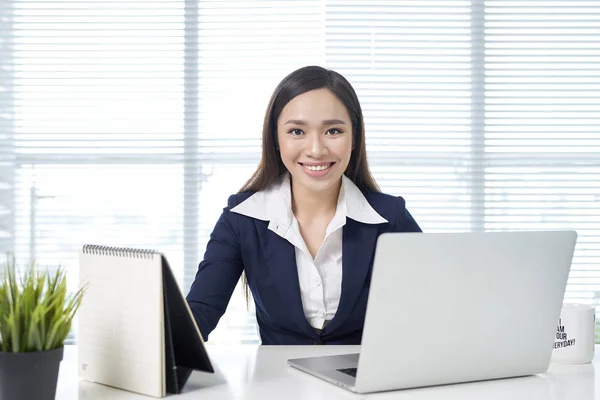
<point x="542" y="130"/>
<point x="130" y="122"/>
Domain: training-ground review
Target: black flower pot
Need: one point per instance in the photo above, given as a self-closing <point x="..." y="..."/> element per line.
<point x="31" y="375"/>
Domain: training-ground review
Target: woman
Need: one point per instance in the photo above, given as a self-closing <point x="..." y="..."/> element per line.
<point x="303" y="228"/>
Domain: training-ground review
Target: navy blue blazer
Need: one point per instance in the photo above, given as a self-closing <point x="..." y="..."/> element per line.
<point x="241" y="243"/>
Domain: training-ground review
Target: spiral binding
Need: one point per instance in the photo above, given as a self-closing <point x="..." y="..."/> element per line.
<point x="118" y="251"/>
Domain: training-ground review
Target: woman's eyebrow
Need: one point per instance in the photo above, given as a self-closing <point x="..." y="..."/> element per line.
<point x="324" y="122"/>
<point x="333" y="122"/>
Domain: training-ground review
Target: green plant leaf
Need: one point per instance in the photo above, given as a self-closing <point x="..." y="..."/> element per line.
<point x="34" y="337"/>
<point x="52" y="335"/>
<point x="36" y="309"/>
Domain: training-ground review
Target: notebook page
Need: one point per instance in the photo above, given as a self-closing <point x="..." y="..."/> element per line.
<point x="121" y="330"/>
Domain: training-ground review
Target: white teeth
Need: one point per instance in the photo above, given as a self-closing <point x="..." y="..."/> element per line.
<point x="317" y="167"/>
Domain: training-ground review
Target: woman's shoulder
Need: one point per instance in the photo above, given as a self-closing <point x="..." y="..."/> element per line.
<point x="238" y="198"/>
<point x="384" y="200"/>
<point x="392" y="208"/>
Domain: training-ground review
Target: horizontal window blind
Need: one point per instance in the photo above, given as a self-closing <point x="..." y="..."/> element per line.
<point x="6" y="130"/>
<point x="130" y="122"/>
<point x="97" y="127"/>
<point x="542" y="130"/>
<point x="410" y="63"/>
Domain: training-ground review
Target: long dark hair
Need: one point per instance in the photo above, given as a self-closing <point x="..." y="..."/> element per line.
<point x="298" y="82"/>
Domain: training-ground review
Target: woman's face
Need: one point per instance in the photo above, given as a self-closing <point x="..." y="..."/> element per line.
<point x="314" y="133"/>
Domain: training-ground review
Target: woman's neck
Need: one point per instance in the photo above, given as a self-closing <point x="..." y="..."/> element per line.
<point x="313" y="204"/>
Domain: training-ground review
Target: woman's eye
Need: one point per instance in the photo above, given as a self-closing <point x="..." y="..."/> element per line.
<point x="333" y="131"/>
<point x="296" y="132"/>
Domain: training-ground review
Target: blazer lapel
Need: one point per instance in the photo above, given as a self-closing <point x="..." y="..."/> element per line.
<point x="357" y="255"/>
<point x="281" y="259"/>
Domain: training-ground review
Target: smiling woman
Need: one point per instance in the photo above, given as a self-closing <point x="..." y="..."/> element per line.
<point x="304" y="227"/>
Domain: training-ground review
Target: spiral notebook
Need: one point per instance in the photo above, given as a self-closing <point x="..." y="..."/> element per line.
<point x="136" y="331"/>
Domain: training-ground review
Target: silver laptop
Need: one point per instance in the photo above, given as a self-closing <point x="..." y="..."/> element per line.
<point x="455" y="307"/>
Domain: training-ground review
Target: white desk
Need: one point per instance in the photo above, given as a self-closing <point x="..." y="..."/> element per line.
<point x="261" y="372"/>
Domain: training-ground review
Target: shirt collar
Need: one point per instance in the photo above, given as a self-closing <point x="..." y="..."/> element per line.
<point x="275" y="205"/>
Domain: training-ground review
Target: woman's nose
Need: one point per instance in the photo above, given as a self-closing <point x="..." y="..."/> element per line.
<point x="318" y="148"/>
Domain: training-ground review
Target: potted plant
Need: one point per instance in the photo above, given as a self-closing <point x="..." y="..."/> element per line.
<point x="36" y="312"/>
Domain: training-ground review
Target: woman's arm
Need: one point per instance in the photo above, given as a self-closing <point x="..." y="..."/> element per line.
<point x="218" y="273"/>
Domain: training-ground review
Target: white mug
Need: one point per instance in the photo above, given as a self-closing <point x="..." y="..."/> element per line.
<point x="575" y="334"/>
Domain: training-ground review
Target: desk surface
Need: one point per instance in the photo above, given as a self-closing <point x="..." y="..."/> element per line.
<point x="261" y="372"/>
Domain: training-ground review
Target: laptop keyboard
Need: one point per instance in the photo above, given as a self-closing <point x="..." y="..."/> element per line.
<point x="348" y="371"/>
